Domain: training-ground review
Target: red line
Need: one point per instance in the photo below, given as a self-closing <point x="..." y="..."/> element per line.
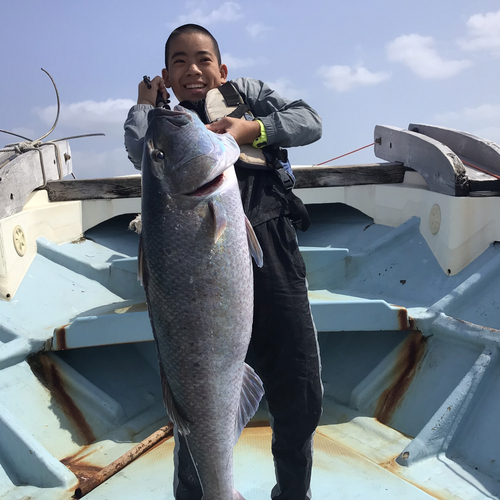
<point x="480" y="169"/>
<point x="341" y="156"/>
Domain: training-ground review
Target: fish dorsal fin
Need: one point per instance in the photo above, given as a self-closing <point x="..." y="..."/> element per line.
<point x="220" y="219"/>
<point x="168" y="400"/>
<point x="251" y="394"/>
<point x="253" y="244"/>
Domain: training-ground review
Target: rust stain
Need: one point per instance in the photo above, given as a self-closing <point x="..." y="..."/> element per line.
<point x="405" y="322"/>
<point x="84" y="471"/>
<point x="485" y="328"/>
<point x="404" y="371"/>
<point x="61" y="338"/>
<point x="90" y="476"/>
<point x="396" y="469"/>
<point x="48" y="374"/>
<point x="403" y="318"/>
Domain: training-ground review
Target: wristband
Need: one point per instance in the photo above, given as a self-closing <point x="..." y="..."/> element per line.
<point x="261" y="141"/>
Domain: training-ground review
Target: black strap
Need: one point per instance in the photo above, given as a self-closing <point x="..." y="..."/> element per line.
<point x="284" y="176"/>
<point x="198" y="107"/>
<point x="239" y="111"/>
<point x="230" y="94"/>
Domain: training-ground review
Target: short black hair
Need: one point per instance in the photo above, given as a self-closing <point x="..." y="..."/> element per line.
<point x="189" y="29"/>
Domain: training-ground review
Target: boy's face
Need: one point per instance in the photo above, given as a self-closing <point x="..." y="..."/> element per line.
<point x="193" y="68"/>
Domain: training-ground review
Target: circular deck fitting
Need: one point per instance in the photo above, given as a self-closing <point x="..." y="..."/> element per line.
<point x="19" y="241"/>
<point x="435" y="219"/>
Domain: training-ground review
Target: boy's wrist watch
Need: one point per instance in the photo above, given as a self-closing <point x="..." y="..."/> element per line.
<point x="260" y="141"/>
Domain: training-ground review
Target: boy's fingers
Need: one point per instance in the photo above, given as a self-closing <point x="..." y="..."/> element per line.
<point x="159" y="83"/>
<point x="219" y="126"/>
<point x="244" y="132"/>
<point x="148" y="95"/>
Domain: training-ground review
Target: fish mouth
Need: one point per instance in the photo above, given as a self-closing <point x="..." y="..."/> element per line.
<point x="208" y="188"/>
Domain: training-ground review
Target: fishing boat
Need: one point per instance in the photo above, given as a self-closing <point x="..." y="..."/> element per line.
<point x="402" y="264"/>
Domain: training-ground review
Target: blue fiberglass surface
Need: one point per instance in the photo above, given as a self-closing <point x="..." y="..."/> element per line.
<point x="410" y="408"/>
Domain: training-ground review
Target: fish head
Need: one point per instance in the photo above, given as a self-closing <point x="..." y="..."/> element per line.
<point x="182" y="153"/>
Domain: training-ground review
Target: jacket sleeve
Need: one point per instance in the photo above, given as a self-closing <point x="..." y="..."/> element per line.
<point x="135" y="126"/>
<point x="287" y="123"/>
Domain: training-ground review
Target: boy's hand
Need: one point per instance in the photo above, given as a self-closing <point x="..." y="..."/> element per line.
<point x="148" y="95"/>
<point x="243" y="131"/>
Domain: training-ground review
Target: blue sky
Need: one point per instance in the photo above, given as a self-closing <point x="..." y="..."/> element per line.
<point x="359" y="64"/>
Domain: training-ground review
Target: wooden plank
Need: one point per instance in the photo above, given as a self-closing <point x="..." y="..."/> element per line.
<point x="349" y="175"/>
<point x="88" y="189"/>
<point x="441" y="168"/>
<point x="22" y="174"/>
<point x="306" y="177"/>
<point x="475" y="150"/>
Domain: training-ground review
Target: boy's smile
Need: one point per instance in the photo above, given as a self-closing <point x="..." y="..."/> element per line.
<point x="193" y="68"/>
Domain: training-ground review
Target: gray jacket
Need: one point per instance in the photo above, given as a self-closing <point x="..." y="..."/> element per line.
<point x="287" y="123"/>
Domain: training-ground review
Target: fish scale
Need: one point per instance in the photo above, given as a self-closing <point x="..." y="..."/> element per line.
<point x="197" y="274"/>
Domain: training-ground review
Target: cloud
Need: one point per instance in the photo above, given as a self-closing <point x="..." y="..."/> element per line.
<point x="256" y="29"/>
<point x="482" y="121"/>
<point x="286" y="89"/>
<point x="93" y="156"/>
<point x="227" y="12"/>
<point x="88" y="116"/>
<point x="342" y="78"/>
<point x="419" y="54"/>
<point x="88" y="164"/>
<point x="237" y="62"/>
<point x="483" y="33"/>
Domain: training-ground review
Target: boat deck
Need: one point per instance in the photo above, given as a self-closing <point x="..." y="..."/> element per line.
<point x="410" y="378"/>
<point x="338" y="472"/>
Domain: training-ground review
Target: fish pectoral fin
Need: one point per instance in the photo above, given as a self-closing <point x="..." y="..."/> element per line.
<point x="252" y="391"/>
<point x="253" y="244"/>
<point x="168" y="400"/>
<point x="220" y="219"/>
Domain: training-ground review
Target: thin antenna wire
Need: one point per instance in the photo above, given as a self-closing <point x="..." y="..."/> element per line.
<point x="17" y="135"/>
<point x="58" y="106"/>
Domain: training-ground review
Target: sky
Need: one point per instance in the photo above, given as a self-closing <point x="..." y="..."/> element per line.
<point x="358" y="63"/>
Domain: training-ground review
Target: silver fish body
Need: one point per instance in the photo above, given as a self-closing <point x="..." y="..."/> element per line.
<point x="197" y="273"/>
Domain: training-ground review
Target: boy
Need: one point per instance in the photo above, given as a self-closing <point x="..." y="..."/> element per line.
<point x="283" y="347"/>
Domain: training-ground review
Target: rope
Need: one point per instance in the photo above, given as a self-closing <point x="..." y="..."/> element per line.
<point x="22" y="147"/>
<point x="480" y="169"/>
<point x="368" y="145"/>
<point x="341" y="156"/>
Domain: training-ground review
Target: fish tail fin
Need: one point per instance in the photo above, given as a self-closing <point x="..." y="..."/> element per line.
<point x="253" y="244"/>
<point x="251" y="393"/>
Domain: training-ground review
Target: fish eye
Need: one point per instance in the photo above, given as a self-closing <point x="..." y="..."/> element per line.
<point x="157" y="155"/>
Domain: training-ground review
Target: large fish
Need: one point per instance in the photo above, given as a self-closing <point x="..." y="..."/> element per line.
<point x="195" y="261"/>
